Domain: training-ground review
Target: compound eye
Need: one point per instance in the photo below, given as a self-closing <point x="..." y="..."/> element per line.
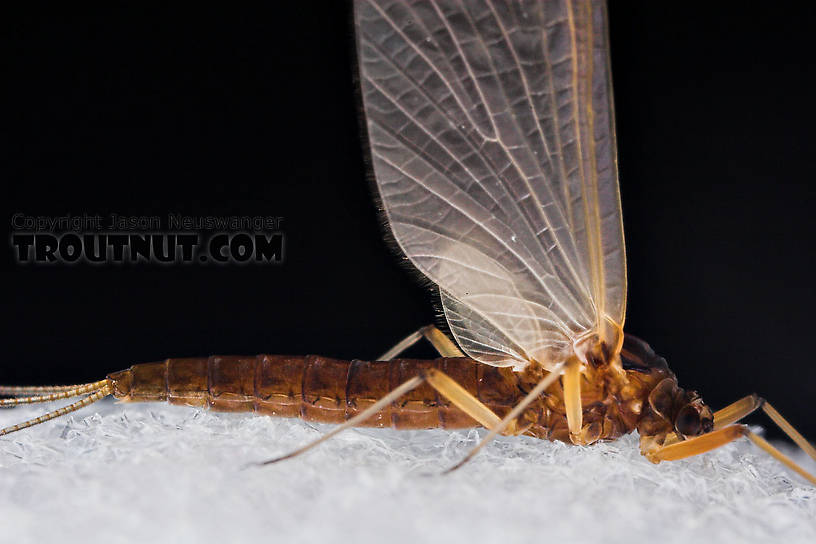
<point x="688" y="421"/>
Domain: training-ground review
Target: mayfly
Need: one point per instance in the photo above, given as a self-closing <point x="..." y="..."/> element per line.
<point x="491" y="130"/>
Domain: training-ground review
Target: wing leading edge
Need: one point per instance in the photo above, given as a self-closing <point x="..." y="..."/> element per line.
<point x="492" y="136"/>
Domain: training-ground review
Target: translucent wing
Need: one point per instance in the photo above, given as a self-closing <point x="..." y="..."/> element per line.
<point x="492" y="140"/>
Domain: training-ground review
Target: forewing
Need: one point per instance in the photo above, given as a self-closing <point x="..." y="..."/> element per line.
<point x="492" y="140"/>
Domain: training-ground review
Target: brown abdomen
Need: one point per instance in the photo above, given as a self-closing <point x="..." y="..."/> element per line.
<point x="317" y="388"/>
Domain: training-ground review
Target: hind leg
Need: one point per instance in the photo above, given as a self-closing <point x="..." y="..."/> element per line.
<point x="444" y="385"/>
<point x="443" y="345"/>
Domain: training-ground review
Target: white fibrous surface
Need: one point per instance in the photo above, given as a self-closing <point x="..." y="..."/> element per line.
<point x="159" y="473"/>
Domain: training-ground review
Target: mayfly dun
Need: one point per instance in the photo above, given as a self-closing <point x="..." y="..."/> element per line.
<point x="492" y="140"/>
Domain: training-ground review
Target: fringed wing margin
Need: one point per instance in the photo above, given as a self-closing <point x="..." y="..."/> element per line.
<point x="492" y="140"/>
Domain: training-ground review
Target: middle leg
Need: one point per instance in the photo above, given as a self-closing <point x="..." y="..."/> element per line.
<point x="579" y="433"/>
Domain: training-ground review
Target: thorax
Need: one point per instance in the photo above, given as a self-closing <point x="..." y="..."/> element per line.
<point x="614" y="395"/>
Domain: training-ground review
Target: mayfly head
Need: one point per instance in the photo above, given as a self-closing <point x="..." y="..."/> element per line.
<point x="694" y="417"/>
<point x="679" y="411"/>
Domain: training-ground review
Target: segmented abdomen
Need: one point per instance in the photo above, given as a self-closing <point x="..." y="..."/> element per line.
<point x="317" y="388"/>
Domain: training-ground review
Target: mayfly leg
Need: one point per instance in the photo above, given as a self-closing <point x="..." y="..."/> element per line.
<point x="789" y="429"/>
<point x="696" y="445"/>
<point x="781" y="457"/>
<point x="715" y="439"/>
<point x="749" y="404"/>
<point x="736" y="411"/>
<point x="571" y="383"/>
<point x="442" y="383"/>
<point x="437" y="338"/>
<point x="411" y="384"/>
<point x="726" y="416"/>
<point x="724" y="431"/>
<point x="509" y="419"/>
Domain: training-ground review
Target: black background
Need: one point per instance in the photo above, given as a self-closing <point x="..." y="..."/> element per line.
<point x="148" y="110"/>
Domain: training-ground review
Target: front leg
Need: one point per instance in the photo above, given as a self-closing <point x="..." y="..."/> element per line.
<point x="747" y="405"/>
<point x="706" y="442"/>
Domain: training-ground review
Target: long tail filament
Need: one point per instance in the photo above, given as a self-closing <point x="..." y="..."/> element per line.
<point x="97" y="390"/>
<point x="48" y="394"/>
